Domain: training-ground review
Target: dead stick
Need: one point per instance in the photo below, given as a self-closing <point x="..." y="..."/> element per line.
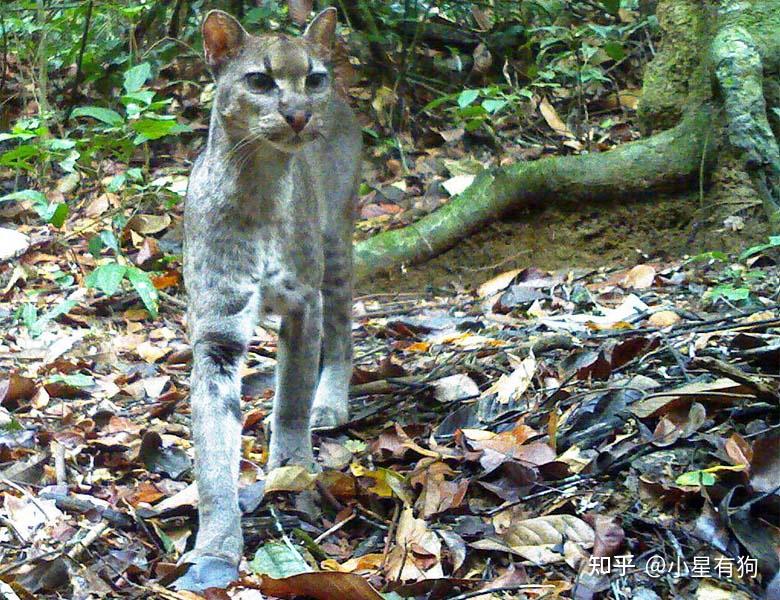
<point x="763" y="390"/>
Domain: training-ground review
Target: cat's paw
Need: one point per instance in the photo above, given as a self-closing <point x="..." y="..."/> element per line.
<point x="327" y="417"/>
<point x="207" y="572"/>
<point x="282" y="455"/>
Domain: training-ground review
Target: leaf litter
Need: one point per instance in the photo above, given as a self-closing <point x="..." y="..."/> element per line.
<point x="503" y="440"/>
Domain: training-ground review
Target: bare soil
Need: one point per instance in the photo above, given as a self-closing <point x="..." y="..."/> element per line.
<point x="569" y="238"/>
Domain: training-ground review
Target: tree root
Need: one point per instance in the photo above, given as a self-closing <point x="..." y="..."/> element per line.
<point x="668" y="161"/>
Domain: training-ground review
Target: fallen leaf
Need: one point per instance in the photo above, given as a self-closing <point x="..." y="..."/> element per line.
<point x="663" y="318"/>
<point x="553" y="120"/>
<point x="640" y="277"/>
<point x="148" y="224"/>
<point x="458" y="184"/>
<point x="293" y="478"/>
<point x="12" y="243"/>
<point x="455" y="388"/>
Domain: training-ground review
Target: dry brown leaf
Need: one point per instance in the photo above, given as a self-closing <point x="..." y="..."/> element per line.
<point x="663" y="318"/>
<point x="640" y="277"/>
<point x="323" y="585"/>
<point x="705" y="392"/>
<point x="293" y="478"/>
<point x="148" y="224"/>
<point x="417" y="551"/>
<point x="368" y="563"/>
<point x="711" y="590"/>
<point x="766" y="465"/>
<point x="553" y="120"/>
<point x="497" y="283"/>
<point x="536" y="539"/>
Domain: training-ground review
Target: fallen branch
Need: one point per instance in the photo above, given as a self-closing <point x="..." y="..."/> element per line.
<point x="667" y="161"/>
<point x="763" y="390"/>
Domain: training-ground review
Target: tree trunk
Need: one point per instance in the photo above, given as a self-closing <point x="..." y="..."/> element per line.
<point x="698" y="129"/>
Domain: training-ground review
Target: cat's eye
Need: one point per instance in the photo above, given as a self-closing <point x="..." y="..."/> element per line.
<point x="315" y="80"/>
<point x="260" y="82"/>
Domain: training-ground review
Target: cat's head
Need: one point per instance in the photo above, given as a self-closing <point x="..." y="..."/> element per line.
<point x="273" y="87"/>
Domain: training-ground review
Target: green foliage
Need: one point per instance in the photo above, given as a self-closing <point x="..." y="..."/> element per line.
<point x="736" y="281"/>
<point x="54" y="213"/>
<point x="572" y="56"/>
<point x="108" y="278"/>
<point x="144" y="117"/>
<point x="279" y="560"/>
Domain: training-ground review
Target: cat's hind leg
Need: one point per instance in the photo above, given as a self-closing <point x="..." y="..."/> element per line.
<point x="220" y="334"/>
<point x="331" y="406"/>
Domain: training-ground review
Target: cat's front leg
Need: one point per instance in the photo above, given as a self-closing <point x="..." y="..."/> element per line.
<point x="298" y="358"/>
<point x="219" y="342"/>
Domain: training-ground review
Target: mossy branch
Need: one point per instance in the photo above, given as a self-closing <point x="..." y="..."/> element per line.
<point x="668" y="161"/>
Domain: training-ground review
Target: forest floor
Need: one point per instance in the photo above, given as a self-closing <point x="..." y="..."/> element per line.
<point x="574" y="403"/>
<point x="545" y="434"/>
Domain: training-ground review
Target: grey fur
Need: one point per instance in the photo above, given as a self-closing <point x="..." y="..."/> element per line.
<point x="268" y="228"/>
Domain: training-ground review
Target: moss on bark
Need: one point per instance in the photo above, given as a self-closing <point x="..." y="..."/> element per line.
<point x="668" y="161"/>
<point x="676" y="75"/>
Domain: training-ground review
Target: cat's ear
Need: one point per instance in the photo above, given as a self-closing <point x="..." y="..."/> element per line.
<point x="223" y="37"/>
<point x="322" y="31"/>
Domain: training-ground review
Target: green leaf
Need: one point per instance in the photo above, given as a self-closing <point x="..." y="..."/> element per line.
<point x="74" y="380"/>
<point x="355" y="446"/>
<point x="145" y="288"/>
<point x="116" y="183"/>
<point x="31" y="195"/>
<point x="493" y="106"/>
<point x="774" y="242"/>
<point x="104" y="115"/>
<point x="107" y="278"/>
<point x="615" y="50"/>
<point x="62" y="308"/>
<point x="109" y="239"/>
<point x="59" y="214"/>
<point x="729" y="292"/>
<point x="61" y="144"/>
<point x="470" y="112"/>
<point x="466" y="97"/>
<point x="28" y="314"/>
<point x="696" y="478"/>
<point x="136" y="77"/>
<point x="279" y="560"/>
<point x="54" y="213"/>
<point x="142" y="97"/>
<point x="152" y="129"/>
<point x="611" y="6"/>
<point x="705" y="256"/>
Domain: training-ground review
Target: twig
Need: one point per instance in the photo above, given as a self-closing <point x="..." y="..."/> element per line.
<point x="334" y="529"/>
<point x="172" y="299"/>
<point x="43" y="62"/>
<point x="29" y="560"/>
<point x="678" y="358"/>
<point x="503" y="588"/>
<point x="58" y="451"/>
<point x="80" y="59"/>
<point x="763" y="390"/>
<point x="4" y="66"/>
<point x="93" y="534"/>
<point x="81" y="506"/>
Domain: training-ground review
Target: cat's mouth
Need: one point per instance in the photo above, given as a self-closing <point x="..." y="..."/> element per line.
<point x="291" y="142"/>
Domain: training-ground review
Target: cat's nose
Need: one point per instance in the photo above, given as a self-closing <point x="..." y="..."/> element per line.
<point x="297" y="119"/>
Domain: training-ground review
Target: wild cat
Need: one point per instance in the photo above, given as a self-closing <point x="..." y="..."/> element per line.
<point x="268" y="228"/>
